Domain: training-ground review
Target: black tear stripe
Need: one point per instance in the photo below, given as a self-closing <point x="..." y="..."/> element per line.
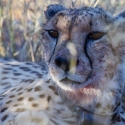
<point x="53" y="51"/>
<point x="86" y="53"/>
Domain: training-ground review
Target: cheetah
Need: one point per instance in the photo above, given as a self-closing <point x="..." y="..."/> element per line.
<point x="85" y="52"/>
<point x="28" y="96"/>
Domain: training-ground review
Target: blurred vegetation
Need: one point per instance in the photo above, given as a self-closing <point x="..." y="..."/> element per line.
<point x="20" y="23"/>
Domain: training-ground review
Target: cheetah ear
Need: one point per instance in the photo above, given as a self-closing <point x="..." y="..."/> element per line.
<point x="52" y="10"/>
<point x="120" y="21"/>
<point x="120" y="15"/>
<point x="117" y="33"/>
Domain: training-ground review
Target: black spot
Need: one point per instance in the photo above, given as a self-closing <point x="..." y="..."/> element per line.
<point x="17" y="74"/>
<point x="29" y="63"/>
<point x="29" y="90"/>
<point x="20" y="99"/>
<point x="13" y="89"/>
<point x="14" y="70"/>
<point x="34" y="72"/>
<point x="28" y="80"/>
<point x="36" y="66"/>
<point x="25" y="68"/>
<point x="48" y="99"/>
<point x="56" y="93"/>
<point x="1" y="98"/>
<point x="11" y="96"/>
<point x="37" y="88"/>
<point x="42" y="95"/>
<point x="48" y="81"/>
<point x="4" y="118"/>
<point x="7" y="64"/>
<point x="14" y="78"/>
<point x="34" y="105"/>
<point x="16" y="65"/>
<point x="4" y="72"/>
<point x="20" y="110"/>
<point x="4" y="109"/>
<point x="32" y="81"/>
<point x="39" y="75"/>
<point x="43" y="68"/>
<point x="15" y="105"/>
<point x="98" y="105"/>
<point x="52" y="87"/>
<point x="8" y="102"/>
<point x="122" y="112"/>
<point x="30" y="99"/>
<point x="4" y="83"/>
<point x="6" y="68"/>
<point x="20" y="89"/>
<point x="20" y="93"/>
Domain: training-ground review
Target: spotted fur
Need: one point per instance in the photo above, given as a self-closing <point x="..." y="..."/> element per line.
<point x="29" y="96"/>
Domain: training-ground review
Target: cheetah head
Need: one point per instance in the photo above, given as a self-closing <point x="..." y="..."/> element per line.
<point x="84" y="49"/>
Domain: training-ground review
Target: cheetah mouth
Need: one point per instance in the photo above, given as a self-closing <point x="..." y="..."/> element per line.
<point x="74" y="84"/>
<point x="69" y="81"/>
<point x="77" y="85"/>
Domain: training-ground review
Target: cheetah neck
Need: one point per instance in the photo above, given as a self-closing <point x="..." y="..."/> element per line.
<point x="96" y="119"/>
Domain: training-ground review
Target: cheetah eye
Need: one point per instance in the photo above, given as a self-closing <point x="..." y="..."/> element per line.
<point x="53" y="33"/>
<point x="96" y="35"/>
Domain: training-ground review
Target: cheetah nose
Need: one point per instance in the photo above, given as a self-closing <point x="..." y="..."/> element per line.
<point x="64" y="63"/>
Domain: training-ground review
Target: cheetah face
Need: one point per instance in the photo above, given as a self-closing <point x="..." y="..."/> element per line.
<point x="81" y="49"/>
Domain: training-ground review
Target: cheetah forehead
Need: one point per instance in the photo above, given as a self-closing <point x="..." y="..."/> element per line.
<point x="66" y="19"/>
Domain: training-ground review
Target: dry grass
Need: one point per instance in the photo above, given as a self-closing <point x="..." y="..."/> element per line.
<point x="20" y="20"/>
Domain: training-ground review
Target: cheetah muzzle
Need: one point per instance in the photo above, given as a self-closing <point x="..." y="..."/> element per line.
<point x="84" y="49"/>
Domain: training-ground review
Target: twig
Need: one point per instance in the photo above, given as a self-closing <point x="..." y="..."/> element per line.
<point x="97" y="1"/>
